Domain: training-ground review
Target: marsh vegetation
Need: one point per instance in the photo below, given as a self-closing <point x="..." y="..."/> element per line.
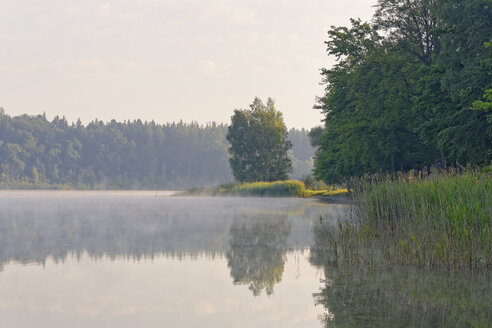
<point x="441" y="220"/>
<point x="409" y="253"/>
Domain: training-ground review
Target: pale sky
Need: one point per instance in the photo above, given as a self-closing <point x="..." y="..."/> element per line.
<point x="166" y="60"/>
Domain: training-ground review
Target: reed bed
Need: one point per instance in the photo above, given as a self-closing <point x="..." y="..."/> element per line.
<point x="439" y="220"/>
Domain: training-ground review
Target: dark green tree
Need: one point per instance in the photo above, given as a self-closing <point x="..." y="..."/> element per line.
<point x="369" y="124"/>
<point x="408" y="90"/>
<point x="259" y="145"/>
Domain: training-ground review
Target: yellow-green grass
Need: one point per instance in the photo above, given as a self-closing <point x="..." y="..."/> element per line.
<point x="275" y="189"/>
<point x="288" y="188"/>
<point x="324" y="193"/>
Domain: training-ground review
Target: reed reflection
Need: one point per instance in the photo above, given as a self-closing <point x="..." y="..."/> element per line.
<point x="375" y="296"/>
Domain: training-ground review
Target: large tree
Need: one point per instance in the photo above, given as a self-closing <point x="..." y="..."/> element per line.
<point x="259" y="144"/>
<point x="408" y="90"/>
<point x="369" y="123"/>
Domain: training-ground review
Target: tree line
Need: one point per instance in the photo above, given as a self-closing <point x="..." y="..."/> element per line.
<point x="36" y="152"/>
<point x="410" y="89"/>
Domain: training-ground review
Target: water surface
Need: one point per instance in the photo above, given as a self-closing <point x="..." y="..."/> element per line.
<point x="144" y="259"/>
<point x="131" y="259"/>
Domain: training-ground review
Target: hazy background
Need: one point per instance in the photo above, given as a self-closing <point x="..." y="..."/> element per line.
<point x="166" y="60"/>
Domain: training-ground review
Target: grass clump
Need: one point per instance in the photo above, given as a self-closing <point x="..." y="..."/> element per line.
<point x="443" y="220"/>
<point x="275" y="189"/>
<point x="325" y="193"/>
<point x="288" y="188"/>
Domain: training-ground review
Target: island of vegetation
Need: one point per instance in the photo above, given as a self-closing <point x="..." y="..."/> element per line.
<point x="259" y="158"/>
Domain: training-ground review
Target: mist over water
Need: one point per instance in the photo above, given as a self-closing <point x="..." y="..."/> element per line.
<point x="144" y="259"/>
<point x="131" y="258"/>
<point x="36" y="225"/>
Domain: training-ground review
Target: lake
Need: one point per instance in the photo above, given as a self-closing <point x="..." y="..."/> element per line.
<point x="145" y="259"/>
<point x="130" y="259"/>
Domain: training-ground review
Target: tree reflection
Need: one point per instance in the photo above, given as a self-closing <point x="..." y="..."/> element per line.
<point x="258" y="246"/>
<point x="32" y="230"/>
<point x="362" y="296"/>
<point x="250" y="232"/>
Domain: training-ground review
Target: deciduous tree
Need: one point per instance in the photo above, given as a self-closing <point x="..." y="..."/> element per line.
<point x="259" y="145"/>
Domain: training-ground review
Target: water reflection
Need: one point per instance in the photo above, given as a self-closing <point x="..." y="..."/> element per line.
<point x="33" y="228"/>
<point x="117" y="261"/>
<point x="257" y="251"/>
<point x="356" y="296"/>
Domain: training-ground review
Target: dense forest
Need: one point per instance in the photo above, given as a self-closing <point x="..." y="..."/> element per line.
<point x="411" y="89"/>
<point x="38" y="153"/>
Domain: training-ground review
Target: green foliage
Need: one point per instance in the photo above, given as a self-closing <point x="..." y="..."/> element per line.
<point x="300" y="168"/>
<point x="302" y="154"/>
<point x="302" y="149"/>
<point x="327" y="192"/>
<point x="315" y="136"/>
<point x="289" y="188"/>
<point x="274" y="189"/>
<point x="311" y="183"/>
<point x="485" y="106"/>
<point x="259" y="145"/>
<point x="441" y="220"/>
<point x="36" y="153"/>
<point x="401" y="93"/>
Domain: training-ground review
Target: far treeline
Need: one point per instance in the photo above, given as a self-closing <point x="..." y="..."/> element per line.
<point x="411" y="89"/>
<point x="38" y="153"/>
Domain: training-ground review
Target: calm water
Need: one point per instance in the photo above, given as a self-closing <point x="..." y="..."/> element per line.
<point x="141" y="259"/>
<point x="134" y="259"/>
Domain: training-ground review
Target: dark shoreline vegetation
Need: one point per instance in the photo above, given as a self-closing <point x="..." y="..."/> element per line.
<point x="441" y="220"/>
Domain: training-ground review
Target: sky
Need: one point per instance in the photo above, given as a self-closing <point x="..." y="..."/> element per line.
<point x="167" y="60"/>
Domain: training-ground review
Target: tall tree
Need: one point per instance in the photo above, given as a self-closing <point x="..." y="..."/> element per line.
<point x="408" y="89"/>
<point x="369" y="123"/>
<point x="259" y="145"/>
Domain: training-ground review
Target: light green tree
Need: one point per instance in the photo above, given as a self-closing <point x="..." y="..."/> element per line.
<point x="259" y="145"/>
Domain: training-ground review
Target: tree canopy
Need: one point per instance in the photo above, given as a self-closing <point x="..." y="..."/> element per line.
<point x="37" y="153"/>
<point x="408" y="90"/>
<point x="259" y="143"/>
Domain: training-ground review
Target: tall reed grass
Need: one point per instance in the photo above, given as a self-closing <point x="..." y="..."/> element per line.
<point x="441" y="220"/>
